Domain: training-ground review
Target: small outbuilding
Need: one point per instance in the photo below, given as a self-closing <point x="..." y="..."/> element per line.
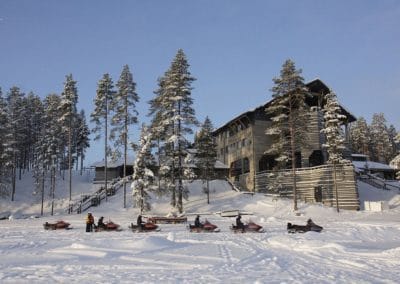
<point x="115" y="169"/>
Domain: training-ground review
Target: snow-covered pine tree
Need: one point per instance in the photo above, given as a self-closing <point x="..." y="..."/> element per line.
<point x="5" y="174"/>
<point x="380" y="140"/>
<point x="178" y="118"/>
<point x="82" y="139"/>
<point x="359" y="137"/>
<point x="68" y="113"/>
<point x="100" y="116"/>
<point x="392" y="138"/>
<point x="16" y="136"/>
<point x="288" y="129"/>
<point x="157" y="128"/>
<point x="206" y="154"/>
<point x="51" y="144"/>
<point x="334" y="135"/>
<point x="125" y="115"/>
<point x="143" y="177"/>
<point x="35" y="113"/>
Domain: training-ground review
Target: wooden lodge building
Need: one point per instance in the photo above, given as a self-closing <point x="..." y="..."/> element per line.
<point x="242" y="142"/>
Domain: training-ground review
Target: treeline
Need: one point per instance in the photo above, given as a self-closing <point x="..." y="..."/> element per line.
<point x="377" y="140"/>
<point x="39" y="135"/>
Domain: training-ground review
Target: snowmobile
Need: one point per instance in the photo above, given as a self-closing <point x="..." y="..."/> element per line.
<point x="109" y="226"/>
<point x="310" y="226"/>
<point x="249" y="227"/>
<point x="57" y="225"/>
<point x="204" y="227"/>
<point x="146" y="227"/>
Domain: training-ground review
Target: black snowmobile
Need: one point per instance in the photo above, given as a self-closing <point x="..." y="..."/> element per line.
<point x="310" y="226"/>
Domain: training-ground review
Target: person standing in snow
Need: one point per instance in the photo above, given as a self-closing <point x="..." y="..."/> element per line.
<point x="89" y="222"/>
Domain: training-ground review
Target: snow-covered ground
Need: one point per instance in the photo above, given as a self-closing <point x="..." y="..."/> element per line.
<point x="354" y="247"/>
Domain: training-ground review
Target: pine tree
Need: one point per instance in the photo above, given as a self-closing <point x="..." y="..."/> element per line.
<point x="5" y="181"/>
<point x="69" y="99"/>
<point x="288" y="118"/>
<point x="100" y="116"/>
<point x="83" y="139"/>
<point x="380" y="140"/>
<point x="35" y="115"/>
<point x="50" y="147"/>
<point x="125" y="114"/>
<point x="392" y="138"/>
<point x="360" y="138"/>
<point x="143" y="177"/>
<point x="206" y="154"/>
<point x="177" y="118"/>
<point x="334" y="135"/>
<point x="157" y="127"/>
<point x="15" y="137"/>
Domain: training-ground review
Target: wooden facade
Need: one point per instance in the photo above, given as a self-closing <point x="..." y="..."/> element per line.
<point x="242" y="142"/>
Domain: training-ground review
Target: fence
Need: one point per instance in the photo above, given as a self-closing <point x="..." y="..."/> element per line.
<point x="95" y="198"/>
<point x="314" y="184"/>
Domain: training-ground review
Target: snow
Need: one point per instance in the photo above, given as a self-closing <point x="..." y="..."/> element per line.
<point x="371" y="165"/>
<point x="354" y="247"/>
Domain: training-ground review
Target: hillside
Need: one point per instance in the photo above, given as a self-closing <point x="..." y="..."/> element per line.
<point x="358" y="246"/>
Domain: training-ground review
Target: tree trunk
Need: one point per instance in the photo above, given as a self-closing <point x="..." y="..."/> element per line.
<point x="125" y="147"/>
<point x="105" y="145"/>
<point x="41" y="209"/>
<point x="336" y="189"/>
<point x="81" y="163"/>
<point x="70" y="156"/>
<point x="180" y="185"/>
<point x="208" y="191"/>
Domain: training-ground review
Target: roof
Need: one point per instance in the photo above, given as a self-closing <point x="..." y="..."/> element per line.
<point x="372" y="166"/>
<point x="314" y="86"/>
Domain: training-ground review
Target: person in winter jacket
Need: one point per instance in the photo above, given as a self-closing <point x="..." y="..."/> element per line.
<point x="100" y="223"/>
<point x="239" y="223"/>
<point x="89" y="222"/>
<point x="139" y="221"/>
<point x="197" y="221"/>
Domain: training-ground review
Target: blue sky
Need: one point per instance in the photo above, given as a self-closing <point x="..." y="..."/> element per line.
<point x="234" y="48"/>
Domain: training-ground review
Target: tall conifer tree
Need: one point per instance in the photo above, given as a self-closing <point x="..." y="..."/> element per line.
<point x="125" y="114"/>
<point x="100" y="116"/>
<point x="206" y="153"/>
<point x="69" y="99"/>
<point x="289" y="118"/>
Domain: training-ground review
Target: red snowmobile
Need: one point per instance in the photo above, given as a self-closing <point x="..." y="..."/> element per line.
<point x="311" y="226"/>
<point x="146" y="227"/>
<point x="109" y="226"/>
<point x="205" y="227"/>
<point x="56" y="226"/>
<point x="250" y="227"/>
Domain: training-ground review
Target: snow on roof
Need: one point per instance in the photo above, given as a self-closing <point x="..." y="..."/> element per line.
<point x="220" y="165"/>
<point x="372" y="165"/>
<point x="114" y="164"/>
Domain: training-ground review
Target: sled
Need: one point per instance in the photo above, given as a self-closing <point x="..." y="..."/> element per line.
<point x="251" y="227"/>
<point x="206" y="227"/>
<point x="109" y="226"/>
<point x="167" y="220"/>
<point x="147" y="227"/>
<point x="310" y="226"/>
<point x="56" y="226"/>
